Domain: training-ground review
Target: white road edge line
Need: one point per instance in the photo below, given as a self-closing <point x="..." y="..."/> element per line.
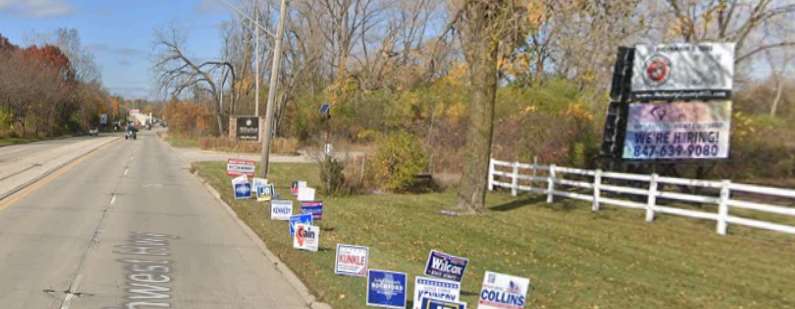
<point x="71" y="294"/>
<point x="113" y="199"/>
<point x="125" y="171"/>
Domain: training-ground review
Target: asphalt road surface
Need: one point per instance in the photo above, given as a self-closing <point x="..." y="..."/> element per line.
<point x="128" y="227"/>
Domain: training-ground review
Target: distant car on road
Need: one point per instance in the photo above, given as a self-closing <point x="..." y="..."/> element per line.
<point x="93" y="132"/>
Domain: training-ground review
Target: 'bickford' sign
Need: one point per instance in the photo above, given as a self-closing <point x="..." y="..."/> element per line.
<point x="307" y="237"/>
<point x="501" y="291"/>
<point x="351" y="260"/>
<point x="430" y="303"/>
<point x="386" y="289"/>
<point x="680" y="71"/>
<point x="445" y="266"/>
<point x="315" y="208"/>
<point x="296" y="219"/>
<point x="425" y="287"/>
<point x="242" y="187"/>
<point x="248" y="128"/>
<point x="237" y="167"/>
<point x="678" y="130"/>
<point x="281" y="209"/>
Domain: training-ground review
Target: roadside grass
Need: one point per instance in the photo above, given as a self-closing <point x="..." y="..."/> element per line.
<point x="7" y="141"/>
<point x="182" y="141"/>
<point x="573" y="257"/>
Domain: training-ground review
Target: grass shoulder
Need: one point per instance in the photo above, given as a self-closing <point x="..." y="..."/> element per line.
<point x="573" y="257"/>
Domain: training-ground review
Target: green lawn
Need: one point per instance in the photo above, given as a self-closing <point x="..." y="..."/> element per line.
<point x="573" y="257"/>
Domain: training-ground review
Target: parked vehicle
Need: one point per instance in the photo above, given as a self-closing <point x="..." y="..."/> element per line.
<point x="93" y="132"/>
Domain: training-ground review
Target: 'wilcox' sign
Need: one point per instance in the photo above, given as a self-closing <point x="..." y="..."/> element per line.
<point x="445" y="266"/>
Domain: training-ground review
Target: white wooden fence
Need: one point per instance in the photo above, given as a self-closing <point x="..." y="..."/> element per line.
<point x="591" y="185"/>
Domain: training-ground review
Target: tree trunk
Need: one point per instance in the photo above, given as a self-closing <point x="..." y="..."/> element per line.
<point x="481" y="55"/>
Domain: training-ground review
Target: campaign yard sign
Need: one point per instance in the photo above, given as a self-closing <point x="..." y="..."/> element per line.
<point x="430" y="303"/>
<point x="241" y="187"/>
<point x="262" y="189"/>
<point x="296" y="185"/>
<point x="307" y="237"/>
<point x="502" y="291"/>
<point x="678" y="130"/>
<point x="445" y="266"/>
<point x="386" y="289"/>
<point x="296" y="219"/>
<point x="306" y="194"/>
<point x="237" y="167"/>
<point x="315" y="208"/>
<point x="425" y="287"/>
<point x="351" y="260"/>
<point x="683" y="71"/>
<point x="281" y="209"/>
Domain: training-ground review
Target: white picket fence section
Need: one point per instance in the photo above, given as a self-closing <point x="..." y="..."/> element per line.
<point x="552" y="181"/>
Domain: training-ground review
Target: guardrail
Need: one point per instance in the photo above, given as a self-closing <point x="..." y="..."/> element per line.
<point x="593" y="184"/>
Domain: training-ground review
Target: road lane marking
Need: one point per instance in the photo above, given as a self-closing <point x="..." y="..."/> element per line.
<point x="24" y="192"/>
<point x="73" y="290"/>
<point x="125" y="171"/>
<point x="113" y="199"/>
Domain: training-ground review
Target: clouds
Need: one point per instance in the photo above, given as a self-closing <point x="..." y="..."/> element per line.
<point x="36" y="8"/>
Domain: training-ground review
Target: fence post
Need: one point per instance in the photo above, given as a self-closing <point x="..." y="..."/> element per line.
<point x="515" y="178"/>
<point x="597" y="183"/>
<point x="652" y="198"/>
<point x="491" y="174"/>
<point x="723" y="207"/>
<point x="551" y="184"/>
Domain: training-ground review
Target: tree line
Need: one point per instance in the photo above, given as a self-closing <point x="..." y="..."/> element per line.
<point x="521" y="78"/>
<point x="50" y="89"/>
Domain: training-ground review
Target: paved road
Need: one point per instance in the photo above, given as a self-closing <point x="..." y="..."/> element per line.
<point x="129" y="227"/>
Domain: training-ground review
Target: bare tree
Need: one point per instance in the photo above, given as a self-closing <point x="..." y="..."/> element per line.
<point x="178" y="73"/>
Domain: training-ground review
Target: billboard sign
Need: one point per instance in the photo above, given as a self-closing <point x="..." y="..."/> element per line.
<point x="679" y="71"/>
<point x="351" y="260"/>
<point x="281" y="209"/>
<point x="386" y="289"/>
<point x="237" y="167"/>
<point x="678" y="130"/>
<point x="502" y="291"/>
<point x="248" y="128"/>
<point x="307" y="237"/>
<point x="425" y="287"/>
<point x="431" y="303"/>
<point x="445" y="266"/>
<point x="299" y="219"/>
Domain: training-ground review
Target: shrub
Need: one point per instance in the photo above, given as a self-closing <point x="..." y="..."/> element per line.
<point x="399" y="158"/>
<point x="332" y="176"/>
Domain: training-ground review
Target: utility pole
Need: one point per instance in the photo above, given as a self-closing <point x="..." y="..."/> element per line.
<point x="277" y="53"/>
<point x="256" y="58"/>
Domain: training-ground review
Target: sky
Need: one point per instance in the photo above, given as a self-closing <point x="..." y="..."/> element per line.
<point x="120" y="34"/>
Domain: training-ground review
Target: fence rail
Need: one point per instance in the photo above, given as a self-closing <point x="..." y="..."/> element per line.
<point x="625" y="189"/>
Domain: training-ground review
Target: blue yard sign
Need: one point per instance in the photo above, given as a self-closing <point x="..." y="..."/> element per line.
<point x="386" y="289"/>
<point x="302" y="218"/>
<point x="431" y="303"/>
<point x="445" y="266"/>
<point x="315" y="208"/>
<point x="241" y="187"/>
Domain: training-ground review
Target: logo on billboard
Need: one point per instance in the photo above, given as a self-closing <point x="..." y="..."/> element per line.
<point x="658" y="70"/>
